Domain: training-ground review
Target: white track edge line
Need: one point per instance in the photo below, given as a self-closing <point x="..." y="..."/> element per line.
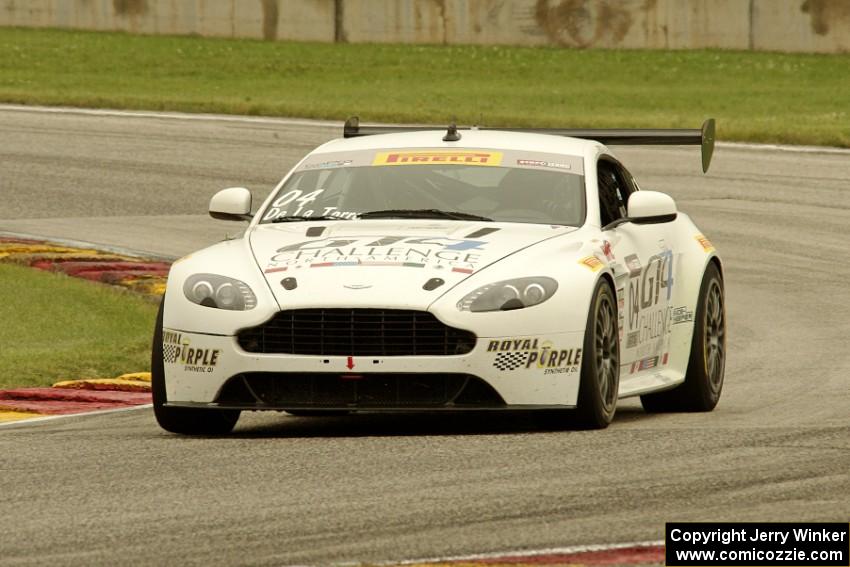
<point x="170" y="115"/>
<point x="34" y="420"/>
<point x="335" y="124"/>
<point x="520" y="553"/>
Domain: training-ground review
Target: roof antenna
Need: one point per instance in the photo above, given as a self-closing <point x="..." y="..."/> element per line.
<point x="452" y="135"/>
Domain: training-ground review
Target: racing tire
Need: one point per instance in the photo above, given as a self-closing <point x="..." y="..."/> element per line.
<point x="186" y="421"/>
<point x="600" y="365"/>
<point x="706" y="365"/>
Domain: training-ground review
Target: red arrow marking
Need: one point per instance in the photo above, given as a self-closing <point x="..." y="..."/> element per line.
<point x="350" y="364"/>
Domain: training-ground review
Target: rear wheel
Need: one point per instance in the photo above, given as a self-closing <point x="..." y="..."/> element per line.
<point x="600" y="366"/>
<point x="188" y="421"/>
<point x="707" y="362"/>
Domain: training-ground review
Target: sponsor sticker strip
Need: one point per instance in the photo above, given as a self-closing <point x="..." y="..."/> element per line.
<point x="591" y="262"/>
<point x="177" y="349"/>
<point x="478" y="157"/>
<point x="705" y="243"/>
<point x="541" y="163"/>
<point x="523" y="352"/>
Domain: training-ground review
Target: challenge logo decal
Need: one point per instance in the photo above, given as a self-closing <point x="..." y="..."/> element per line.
<point x="458" y="255"/>
<point x="448" y="157"/>
<point x="176" y="349"/>
<point x="705" y="243"/>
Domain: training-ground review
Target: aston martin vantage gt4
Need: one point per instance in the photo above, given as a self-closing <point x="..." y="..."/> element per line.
<point x="425" y="269"/>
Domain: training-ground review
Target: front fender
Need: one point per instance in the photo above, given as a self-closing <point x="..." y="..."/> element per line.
<point x="233" y="259"/>
<point x="565" y="311"/>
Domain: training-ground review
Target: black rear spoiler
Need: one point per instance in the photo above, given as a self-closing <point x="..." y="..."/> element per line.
<point x="703" y="137"/>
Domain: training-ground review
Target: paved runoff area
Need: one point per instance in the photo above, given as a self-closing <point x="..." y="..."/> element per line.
<point x="485" y="488"/>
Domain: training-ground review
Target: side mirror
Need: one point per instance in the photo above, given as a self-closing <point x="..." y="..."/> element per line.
<point x="647" y="207"/>
<point x="231" y="204"/>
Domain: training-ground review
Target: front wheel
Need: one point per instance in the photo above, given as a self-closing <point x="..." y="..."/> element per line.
<point x="707" y="362"/>
<point x="187" y="421"/>
<point x="600" y="366"/>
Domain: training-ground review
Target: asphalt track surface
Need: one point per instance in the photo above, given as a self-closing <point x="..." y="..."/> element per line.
<point x="285" y="490"/>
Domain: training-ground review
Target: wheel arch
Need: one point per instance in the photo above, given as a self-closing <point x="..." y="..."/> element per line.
<point x="715" y="259"/>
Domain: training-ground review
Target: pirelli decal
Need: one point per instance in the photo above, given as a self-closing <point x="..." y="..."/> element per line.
<point x="448" y="157"/>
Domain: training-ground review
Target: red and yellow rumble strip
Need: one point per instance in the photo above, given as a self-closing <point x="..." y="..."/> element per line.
<point x="76" y="396"/>
<point x="137" y="274"/>
<point x="475" y="157"/>
<point x="604" y="556"/>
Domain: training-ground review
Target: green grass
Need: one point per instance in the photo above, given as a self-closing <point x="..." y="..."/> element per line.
<point x="54" y="327"/>
<point x="767" y="97"/>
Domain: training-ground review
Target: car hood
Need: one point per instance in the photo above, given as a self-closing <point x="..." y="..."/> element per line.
<point x="403" y="264"/>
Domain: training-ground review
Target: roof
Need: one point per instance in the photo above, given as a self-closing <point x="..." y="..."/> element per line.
<point x="470" y="139"/>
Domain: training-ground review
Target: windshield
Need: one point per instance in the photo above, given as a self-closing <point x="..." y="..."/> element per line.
<point x="505" y="186"/>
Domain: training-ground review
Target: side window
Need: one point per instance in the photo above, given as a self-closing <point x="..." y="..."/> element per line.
<point x="614" y="191"/>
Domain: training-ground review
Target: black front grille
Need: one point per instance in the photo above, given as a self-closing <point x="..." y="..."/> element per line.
<point x="356" y="332"/>
<point x="282" y="390"/>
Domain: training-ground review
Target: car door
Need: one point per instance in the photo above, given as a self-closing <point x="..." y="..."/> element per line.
<point x="642" y="260"/>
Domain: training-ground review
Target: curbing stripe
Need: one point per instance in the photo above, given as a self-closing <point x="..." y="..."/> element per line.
<point x="141" y="275"/>
<point x="72" y="395"/>
<point x="118" y="250"/>
<point x="43" y="407"/>
<point x="572" y="554"/>
<point x="136" y="273"/>
<point x="76" y="397"/>
<point x="143" y="376"/>
<point x="42" y="419"/>
<point x="8" y="415"/>
<point x="105" y="384"/>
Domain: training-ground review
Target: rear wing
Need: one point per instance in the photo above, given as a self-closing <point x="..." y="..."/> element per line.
<point x="703" y="137"/>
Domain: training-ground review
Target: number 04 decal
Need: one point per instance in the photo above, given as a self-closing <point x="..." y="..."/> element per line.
<point x="295" y="196"/>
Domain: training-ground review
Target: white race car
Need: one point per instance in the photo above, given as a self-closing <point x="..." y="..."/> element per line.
<point x="423" y="269"/>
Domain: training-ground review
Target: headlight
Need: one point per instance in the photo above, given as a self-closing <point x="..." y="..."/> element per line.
<point x="219" y="292"/>
<point x="509" y="294"/>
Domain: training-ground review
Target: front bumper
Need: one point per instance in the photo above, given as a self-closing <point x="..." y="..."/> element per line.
<point x="500" y="372"/>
